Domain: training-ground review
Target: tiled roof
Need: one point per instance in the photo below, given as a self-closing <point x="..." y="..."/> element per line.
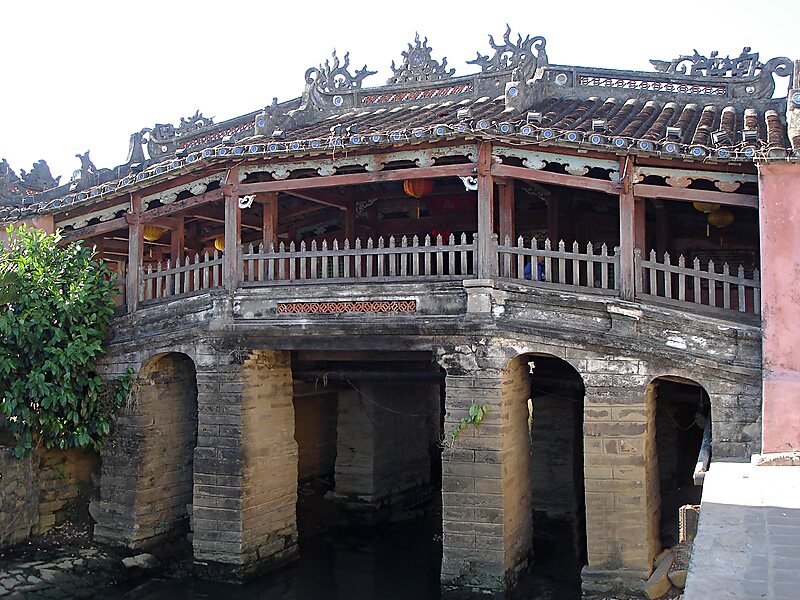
<point x="721" y="110"/>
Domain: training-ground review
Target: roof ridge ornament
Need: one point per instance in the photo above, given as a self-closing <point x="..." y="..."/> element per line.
<point x="419" y="66"/>
<point x="744" y="66"/>
<point x="334" y="78"/>
<point x="526" y="55"/>
<point x="9" y="184"/>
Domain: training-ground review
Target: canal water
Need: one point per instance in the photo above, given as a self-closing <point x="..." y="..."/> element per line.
<point x="401" y="563"/>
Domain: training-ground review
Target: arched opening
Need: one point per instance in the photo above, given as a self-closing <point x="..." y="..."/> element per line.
<point x="368" y="427"/>
<point x="682" y="418"/>
<point x="545" y="431"/>
<point x="556" y="465"/>
<point x="166" y="411"/>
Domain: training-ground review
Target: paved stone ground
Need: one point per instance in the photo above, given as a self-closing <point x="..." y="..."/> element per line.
<point x="748" y="541"/>
<point x="75" y="574"/>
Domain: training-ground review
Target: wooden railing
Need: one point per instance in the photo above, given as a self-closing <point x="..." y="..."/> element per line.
<point x="679" y="284"/>
<point x="591" y="270"/>
<point x="120" y="286"/>
<point x="560" y="268"/>
<point x="374" y="260"/>
<point x="202" y="273"/>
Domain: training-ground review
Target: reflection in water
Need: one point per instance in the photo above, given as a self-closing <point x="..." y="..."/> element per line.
<point x="365" y="565"/>
<point x="368" y="564"/>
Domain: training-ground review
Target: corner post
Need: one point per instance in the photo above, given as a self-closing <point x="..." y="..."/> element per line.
<point x="233" y="231"/>
<point x="135" y="253"/>
<point x="486" y="263"/>
<point x="631" y="229"/>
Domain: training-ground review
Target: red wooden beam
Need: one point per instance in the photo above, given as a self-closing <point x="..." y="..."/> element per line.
<point x="560" y="179"/>
<point x="659" y="192"/>
<point x="181" y="205"/>
<point x="460" y="170"/>
<point x="93" y="230"/>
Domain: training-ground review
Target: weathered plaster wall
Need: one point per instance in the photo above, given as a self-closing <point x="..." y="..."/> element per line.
<point x="779" y="218"/>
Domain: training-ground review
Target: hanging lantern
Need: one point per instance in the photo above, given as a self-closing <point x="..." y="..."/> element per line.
<point x="219" y="243"/>
<point x="720" y="218"/>
<point x="152" y="233"/>
<point x="705" y="207"/>
<point x="417" y="188"/>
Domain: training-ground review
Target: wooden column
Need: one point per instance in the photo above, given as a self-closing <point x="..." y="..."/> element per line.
<point x="177" y="239"/>
<point x="627" y="230"/>
<point x="135" y="252"/>
<point x="552" y="220"/>
<point x="640" y="224"/>
<point x="486" y="252"/>
<point x="269" y="221"/>
<point x="233" y="231"/>
<point x="350" y="224"/>
<point x="507" y="226"/>
<point x="662" y="228"/>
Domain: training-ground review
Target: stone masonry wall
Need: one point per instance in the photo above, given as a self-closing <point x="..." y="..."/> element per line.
<point x="146" y="484"/>
<point x="618" y="447"/>
<point x="315" y="432"/>
<point x="245" y="492"/>
<point x="62" y="474"/>
<point x="516" y="445"/>
<point x="36" y="491"/>
<point x="269" y="475"/>
<point x="485" y="484"/>
<point x="19" y="498"/>
<point x="553" y="465"/>
<point x="383" y="445"/>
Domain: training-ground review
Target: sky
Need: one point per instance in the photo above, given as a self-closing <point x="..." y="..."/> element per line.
<point x="84" y="75"/>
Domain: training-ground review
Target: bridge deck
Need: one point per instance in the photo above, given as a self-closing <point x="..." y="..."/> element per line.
<point x="748" y="542"/>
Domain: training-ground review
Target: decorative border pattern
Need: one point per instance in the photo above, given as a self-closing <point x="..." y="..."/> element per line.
<point x="655" y="86"/>
<point x="451" y="90"/>
<point x="333" y="308"/>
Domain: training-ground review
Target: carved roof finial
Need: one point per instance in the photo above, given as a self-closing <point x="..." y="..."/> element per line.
<point x="526" y="55"/>
<point x="418" y="65"/>
<point x="744" y="66"/>
<point x="332" y="78"/>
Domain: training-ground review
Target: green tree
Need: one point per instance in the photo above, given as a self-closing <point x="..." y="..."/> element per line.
<point x="56" y="306"/>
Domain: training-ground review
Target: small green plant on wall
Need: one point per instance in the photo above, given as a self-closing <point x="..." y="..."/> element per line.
<point x="474" y="418"/>
<point x="56" y="303"/>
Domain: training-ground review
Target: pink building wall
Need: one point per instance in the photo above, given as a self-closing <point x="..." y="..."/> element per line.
<point x="779" y="215"/>
<point x="41" y="222"/>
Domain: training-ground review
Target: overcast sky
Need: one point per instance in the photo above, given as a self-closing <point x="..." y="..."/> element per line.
<point x="84" y="75"/>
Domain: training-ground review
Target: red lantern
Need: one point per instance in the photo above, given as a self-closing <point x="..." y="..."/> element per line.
<point x="417" y="188"/>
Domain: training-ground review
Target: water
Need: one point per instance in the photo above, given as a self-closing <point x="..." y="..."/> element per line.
<point x="401" y="563"/>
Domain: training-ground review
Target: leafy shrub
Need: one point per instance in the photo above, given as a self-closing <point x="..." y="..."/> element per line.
<point x="57" y="304"/>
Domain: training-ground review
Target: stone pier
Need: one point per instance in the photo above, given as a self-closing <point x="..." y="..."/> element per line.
<point x="245" y="492"/>
<point x="383" y="461"/>
<point x="486" y="499"/>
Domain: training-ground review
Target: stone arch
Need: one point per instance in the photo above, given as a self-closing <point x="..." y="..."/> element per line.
<point x="147" y="474"/>
<point x="554" y="401"/>
<point x="680" y="425"/>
